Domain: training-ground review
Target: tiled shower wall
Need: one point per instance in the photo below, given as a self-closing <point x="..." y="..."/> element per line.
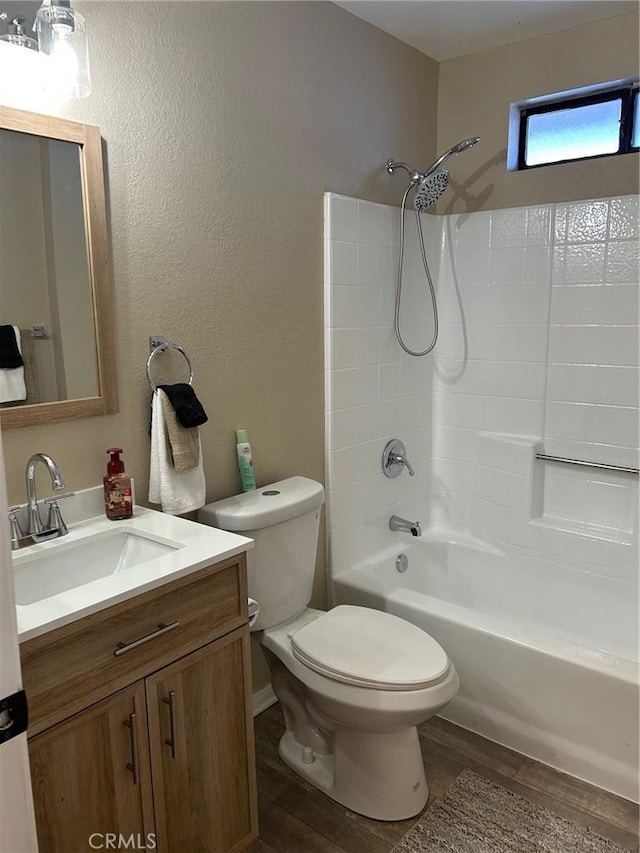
<point x="373" y="391"/>
<point x="546" y="298"/>
<point x="538" y="350"/>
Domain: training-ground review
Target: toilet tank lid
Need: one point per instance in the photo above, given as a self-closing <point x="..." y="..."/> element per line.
<point x="265" y="506"/>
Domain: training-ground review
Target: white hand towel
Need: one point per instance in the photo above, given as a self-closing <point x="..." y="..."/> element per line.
<point x="12" y="385"/>
<point x="177" y="491"/>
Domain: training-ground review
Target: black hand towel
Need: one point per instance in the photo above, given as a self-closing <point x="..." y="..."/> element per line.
<point x="9" y="353"/>
<point x="187" y="406"/>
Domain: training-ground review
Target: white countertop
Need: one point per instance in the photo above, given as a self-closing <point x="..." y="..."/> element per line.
<point x="199" y="546"/>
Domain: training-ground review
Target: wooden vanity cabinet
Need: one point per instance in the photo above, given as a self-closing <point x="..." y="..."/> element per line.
<point x="168" y="759"/>
<point x="82" y="775"/>
<point x="197" y="711"/>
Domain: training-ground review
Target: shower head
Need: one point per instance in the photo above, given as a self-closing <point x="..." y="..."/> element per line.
<point x="434" y="169"/>
<point x="431" y="184"/>
<point x="455" y="149"/>
<point x="430" y="188"/>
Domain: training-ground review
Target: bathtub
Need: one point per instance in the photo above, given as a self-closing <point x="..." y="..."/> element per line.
<point x="547" y="653"/>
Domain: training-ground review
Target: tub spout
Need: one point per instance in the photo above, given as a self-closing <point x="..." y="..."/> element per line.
<point x="402" y="524"/>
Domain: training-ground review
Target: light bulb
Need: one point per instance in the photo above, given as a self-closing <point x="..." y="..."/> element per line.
<point x="64" y="64"/>
<point x="62" y="37"/>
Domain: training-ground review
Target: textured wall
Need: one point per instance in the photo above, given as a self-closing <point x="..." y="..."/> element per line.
<point x="224" y="123"/>
<point x="474" y="96"/>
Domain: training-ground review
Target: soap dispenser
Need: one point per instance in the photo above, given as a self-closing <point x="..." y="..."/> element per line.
<point x="118" y="501"/>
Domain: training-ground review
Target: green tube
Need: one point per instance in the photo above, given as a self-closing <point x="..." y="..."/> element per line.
<point x="245" y="461"/>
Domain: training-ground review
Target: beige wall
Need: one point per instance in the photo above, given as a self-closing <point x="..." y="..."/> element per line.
<point x="224" y="124"/>
<point x="474" y="97"/>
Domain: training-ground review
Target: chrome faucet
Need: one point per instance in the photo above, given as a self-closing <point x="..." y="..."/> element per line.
<point x="37" y="531"/>
<point x="412" y="527"/>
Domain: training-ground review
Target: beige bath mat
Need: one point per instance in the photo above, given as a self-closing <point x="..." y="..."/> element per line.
<point x="478" y="816"/>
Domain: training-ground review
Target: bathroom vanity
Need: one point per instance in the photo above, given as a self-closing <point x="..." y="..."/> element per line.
<point x="140" y="711"/>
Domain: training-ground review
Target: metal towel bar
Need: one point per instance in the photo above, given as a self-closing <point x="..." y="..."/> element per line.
<point x="157" y="345"/>
<point x="565" y="461"/>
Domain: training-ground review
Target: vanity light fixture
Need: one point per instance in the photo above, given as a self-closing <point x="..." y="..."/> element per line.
<point x="17" y="35"/>
<point x="62" y="36"/>
<point x="23" y="69"/>
<point x="62" y="65"/>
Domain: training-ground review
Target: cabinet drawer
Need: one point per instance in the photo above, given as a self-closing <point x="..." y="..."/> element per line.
<point x="71" y="667"/>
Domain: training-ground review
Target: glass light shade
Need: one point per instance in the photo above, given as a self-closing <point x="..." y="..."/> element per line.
<point x="62" y="37"/>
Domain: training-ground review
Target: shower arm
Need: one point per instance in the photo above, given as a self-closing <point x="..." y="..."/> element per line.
<point x="416" y="176"/>
<point x="392" y="165"/>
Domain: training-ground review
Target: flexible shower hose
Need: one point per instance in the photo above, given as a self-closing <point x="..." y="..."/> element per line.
<point x="399" y="284"/>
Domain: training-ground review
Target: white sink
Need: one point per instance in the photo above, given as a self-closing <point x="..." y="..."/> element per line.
<point x="59" y="566"/>
<point x="101" y="563"/>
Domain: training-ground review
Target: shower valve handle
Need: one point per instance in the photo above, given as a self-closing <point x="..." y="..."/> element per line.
<point x="394" y="459"/>
<point x="398" y="459"/>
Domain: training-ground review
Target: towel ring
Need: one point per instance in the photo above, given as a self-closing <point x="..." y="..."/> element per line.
<point x="161" y="348"/>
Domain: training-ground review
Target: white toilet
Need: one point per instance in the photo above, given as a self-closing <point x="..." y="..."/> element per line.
<point x="354" y="682"/>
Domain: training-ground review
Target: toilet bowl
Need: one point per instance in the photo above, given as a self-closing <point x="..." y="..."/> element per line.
<point x="354" y="683"/>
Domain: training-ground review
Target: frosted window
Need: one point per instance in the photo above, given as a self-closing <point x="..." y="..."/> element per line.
<point x="574" y="133"/>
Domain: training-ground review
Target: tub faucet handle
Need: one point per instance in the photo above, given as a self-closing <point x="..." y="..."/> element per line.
<point x="399" y="459"/>
<point x="394" y="459"/>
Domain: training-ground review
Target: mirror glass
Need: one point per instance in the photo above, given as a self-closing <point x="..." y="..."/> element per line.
<point x="45" y="284"/>
<point x="57" y="353"/>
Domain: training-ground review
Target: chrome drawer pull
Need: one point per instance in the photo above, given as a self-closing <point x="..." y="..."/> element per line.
<point x="134" y="764"/>
<point x="162" y="629"/>
<point x="173" y="741"/>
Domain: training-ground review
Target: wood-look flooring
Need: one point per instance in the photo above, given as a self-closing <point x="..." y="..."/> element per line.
<point x="297" y="818"/>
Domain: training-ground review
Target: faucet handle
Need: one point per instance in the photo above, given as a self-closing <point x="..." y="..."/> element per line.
<point x="57" y="498"/>
<point x="402" y="460"/>
<point x="55" y="520"/>
<point x="394" y="459"/>
<point x="17" y="532"/>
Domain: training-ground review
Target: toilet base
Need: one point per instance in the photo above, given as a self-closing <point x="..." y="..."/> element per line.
<point x="380" y="776"/>
<point x="359" y="746"/>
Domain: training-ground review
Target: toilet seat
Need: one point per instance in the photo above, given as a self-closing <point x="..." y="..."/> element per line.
<point x="369" y="648"/>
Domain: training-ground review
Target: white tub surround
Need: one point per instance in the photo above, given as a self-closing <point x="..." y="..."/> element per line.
<point x="537" y="353"/>
<point x="538" y="343"/>
<point x="374" y="391"/>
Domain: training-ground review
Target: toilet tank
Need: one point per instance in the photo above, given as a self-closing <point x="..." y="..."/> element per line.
<point x="283" y="520"/>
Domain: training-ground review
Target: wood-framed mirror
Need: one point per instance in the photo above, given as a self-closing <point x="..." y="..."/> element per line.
<point x="55" y="276"/>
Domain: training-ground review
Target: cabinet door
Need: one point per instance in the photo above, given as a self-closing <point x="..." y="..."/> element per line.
<point x="202" y="755"/>
<point x="82" y="772"/>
